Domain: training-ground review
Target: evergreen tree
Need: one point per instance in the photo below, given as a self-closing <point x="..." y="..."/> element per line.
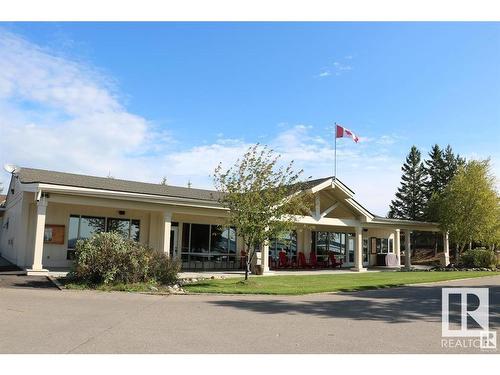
<point x="452" y="163"/>
<point x="442" y="166"/>
<point x="410" y="201"/>
<point x="435" y="169"/>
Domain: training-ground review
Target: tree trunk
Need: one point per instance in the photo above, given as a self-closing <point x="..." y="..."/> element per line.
<point x="470" y="245"/>
<point x="247" y="268"/>
<point x="435" y="244"/>
<point x="460" y="250"/>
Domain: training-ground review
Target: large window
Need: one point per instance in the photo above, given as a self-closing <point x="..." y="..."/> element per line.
<point x="384" y="245"/>
<point x="324" y="242"/>
<point x="125" y="227"/>
<point x="83" y="227"/>
<point x="205" y="242"/>
<point x="286" y="243"/>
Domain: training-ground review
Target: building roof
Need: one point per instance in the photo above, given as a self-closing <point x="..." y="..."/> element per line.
<point x="31" y="175"/>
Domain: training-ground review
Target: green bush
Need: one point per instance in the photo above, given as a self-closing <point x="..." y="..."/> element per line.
<point x="478" y="258"/>
<point x="107" y="258"/>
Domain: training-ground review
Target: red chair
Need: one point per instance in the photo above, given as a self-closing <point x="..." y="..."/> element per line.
<point x="315" y="263"/>
<point x="283" y="260"/>
<point x="243" y="259"/>
<point x="302" y="261"/>
<point x="334" y="262"/>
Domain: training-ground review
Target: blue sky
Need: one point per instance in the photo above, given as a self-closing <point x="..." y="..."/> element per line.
<point x="144" y="100"/>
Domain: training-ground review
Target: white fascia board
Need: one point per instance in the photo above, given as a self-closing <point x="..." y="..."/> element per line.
<point x="403" y="224"/>
<point x="339" y="185"/>
<point x="321" y="186"/>
<point x="128" y="196"/>
<point x="30" y="188"/>
<point x="363" y="211"/>
<point x="326" y="221"/>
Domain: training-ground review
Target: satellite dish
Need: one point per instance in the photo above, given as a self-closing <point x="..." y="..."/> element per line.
<point x="11" y="168"/>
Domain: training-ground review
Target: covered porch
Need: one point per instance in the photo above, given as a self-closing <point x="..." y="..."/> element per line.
<point x="356" y="248"/>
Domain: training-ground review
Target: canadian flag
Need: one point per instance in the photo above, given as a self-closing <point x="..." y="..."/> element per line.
<point x="343" y="132"/>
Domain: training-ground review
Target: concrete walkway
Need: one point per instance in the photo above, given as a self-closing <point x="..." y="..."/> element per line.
<point x="397" y="320"/>
<point x="229" y="274"/>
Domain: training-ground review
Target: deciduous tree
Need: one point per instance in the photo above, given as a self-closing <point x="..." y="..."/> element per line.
<point x="261" y="197"/>
<point x="469" y="206"/>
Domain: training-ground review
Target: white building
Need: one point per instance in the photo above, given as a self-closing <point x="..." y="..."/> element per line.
<point x="46" y="212"/>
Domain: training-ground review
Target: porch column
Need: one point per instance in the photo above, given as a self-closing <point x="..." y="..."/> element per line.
<point x="397" y="245"/>
<point x="37" y="268"/>
<point x="307" y="237"/>
<point x="446" y="250"/>
<point x="407" y="249"/>
<point x="358" y="251"/>
<point x="165" y="232"/>
<point x="265" y="257"/>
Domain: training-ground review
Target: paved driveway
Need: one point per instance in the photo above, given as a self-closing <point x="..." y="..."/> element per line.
<point x="398" y="320"/>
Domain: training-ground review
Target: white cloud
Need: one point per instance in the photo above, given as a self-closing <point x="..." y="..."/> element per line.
<point x="324" y="73"/>
<point x="337" y="68"/>
<point x="61" y="114"/>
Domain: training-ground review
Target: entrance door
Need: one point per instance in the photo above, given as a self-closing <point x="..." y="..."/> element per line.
<point x="349" y="261"/>
<point x="173" y="242"/>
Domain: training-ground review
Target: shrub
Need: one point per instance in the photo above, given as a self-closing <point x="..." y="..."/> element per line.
<point x="478" y="258"/>
<point x="107" y="258"/>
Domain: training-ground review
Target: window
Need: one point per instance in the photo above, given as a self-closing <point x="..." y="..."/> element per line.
<point x="384" y="246"/>
<point x="83" y="227"/>
<point x="324" y="242"/>
<point x="286" y="243"/>
<point x="350" y="247"/>
<point x="365" y="250"/>
<point x="125" y="227"/>
<point x="200" y="239"/>
<point x="203" y="242"/>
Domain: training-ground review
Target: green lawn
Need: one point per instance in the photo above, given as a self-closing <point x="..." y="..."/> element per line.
<point x="303" y="284"/>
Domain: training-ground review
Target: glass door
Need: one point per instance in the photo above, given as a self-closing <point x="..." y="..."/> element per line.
<point x="349" y="261"/>
<point x="173" y="242"/>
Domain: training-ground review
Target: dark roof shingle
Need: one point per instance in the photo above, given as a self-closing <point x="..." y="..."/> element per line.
<point x="31" y="175"/>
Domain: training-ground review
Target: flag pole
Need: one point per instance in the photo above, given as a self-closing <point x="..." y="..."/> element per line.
<point x="335" y="153"/>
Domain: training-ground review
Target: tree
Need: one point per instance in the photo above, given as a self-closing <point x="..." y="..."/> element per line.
<point x="452" y="163"/>
<point x="469" y="206"/>
<point x="435" y="169"/>
<point x="163" y="181"/>
<point x="441" y="167"/>
<point x="410" y="201"/>
<point x="261" y="197"/>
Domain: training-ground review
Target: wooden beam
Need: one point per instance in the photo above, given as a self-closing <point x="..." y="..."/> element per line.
<point x="329" y="209"/>
<point x="317" y="204"/>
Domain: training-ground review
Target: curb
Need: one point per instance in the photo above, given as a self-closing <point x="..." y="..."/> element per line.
<point x="55" y="282"/>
